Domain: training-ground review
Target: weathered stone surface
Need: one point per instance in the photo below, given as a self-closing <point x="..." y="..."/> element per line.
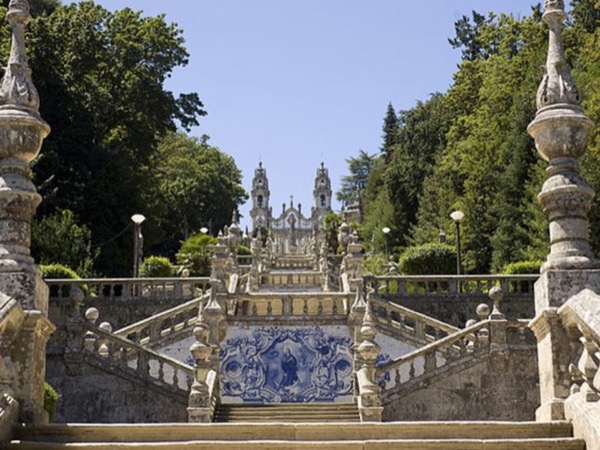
<point x="98" y="394"/>
<point x="479" y="392"/>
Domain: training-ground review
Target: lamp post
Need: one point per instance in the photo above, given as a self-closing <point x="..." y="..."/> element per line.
<point x="138" y="243"/>
<point x="386" y="232"/>
<point x="457" y="216"/>
<point x="203" y="230"/>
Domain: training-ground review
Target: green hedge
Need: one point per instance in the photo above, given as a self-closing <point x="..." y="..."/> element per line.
<point x="428" y="259"/>
<point x="522" y="268"/>
<point x="156" y="267"/>
<point x="56" y="271"/>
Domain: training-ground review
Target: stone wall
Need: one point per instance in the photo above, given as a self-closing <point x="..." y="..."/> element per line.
<point x="456" y="311"/>
<point x="489" y="390"/>
<point x="92" y="394"/>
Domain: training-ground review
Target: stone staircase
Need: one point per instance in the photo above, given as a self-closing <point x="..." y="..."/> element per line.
<point x="283" y="436"/>
<point x="287" y="412"/>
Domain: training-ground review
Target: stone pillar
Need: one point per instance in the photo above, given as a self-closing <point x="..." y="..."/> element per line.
<point x="199" y="405"/>
<point x="22" y="132"/>
<point x="369" y="399"/>
<point x="560" y="130"/>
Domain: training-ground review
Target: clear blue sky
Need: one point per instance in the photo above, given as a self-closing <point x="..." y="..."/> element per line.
<point x="294" y="82"/>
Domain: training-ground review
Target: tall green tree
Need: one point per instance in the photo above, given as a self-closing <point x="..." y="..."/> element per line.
<point x="354" y="184"/>
<point x="100" y="76"/>
<point x="196" y="184"/>
<point x="390" y="132"/>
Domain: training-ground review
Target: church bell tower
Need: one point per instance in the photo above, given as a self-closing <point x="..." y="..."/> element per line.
<point x="322" y="194"/>
<point x="260" y="213"/>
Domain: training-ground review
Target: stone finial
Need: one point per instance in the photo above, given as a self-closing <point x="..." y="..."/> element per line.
<point x="483" y="311"/>
<point x="106" y="327"/>
<point x="368" y="348"/>
<point x="92" y="314"/>
<point x="557" y="85"/>
<point x="17" y="88"/>
<point x="561" y="131"/>
<point x="496" y="295"/>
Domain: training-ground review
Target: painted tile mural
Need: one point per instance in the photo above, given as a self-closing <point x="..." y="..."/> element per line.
<point x="286" y="365"/>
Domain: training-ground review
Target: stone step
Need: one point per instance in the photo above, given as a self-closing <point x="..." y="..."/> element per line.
<point x="384" y="444"/>
<point x="312" y="412"/>
<point x="296" y="432"/>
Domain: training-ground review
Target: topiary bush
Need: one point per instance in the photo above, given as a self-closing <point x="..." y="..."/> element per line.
<point x="428" y="259"/>
<point x="58" y="271"/>
<point x="523" y="267"/>
<point x="156" y="267"/>
<point x="50" y="400"/>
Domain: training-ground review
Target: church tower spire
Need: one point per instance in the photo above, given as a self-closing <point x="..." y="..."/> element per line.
<point x="322" y="194"/>
<point x="260" y="212"/>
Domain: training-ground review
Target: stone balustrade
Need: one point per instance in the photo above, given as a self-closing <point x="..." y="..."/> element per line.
<point x="418" y="327"/>
<point x="130" y="356"/>
<point x="165" y="324"/>
<point x="244" y="260"/>
<point x="481" y="338"/>
<point x="293" y="263"/>
<point x="290" y="278"/>
<point x="131" y="288"/>
<point x="462" y="286"/>
<point x="297" y="305"/>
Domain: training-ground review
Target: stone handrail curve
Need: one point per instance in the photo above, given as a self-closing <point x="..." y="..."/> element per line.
<point x="437" y="354"/>
<point x="116" y="349"/>
<point x="422" y="322"/>
<point x="445" y="285"/>
<point x="126" y="288"/>
<point x="156" y="323"/>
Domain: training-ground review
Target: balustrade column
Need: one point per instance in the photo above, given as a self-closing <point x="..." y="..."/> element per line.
<point x="199" y="400"/>
<point x="561" y="131"/>
<point x="369" y="399"/>
<point x="22" y="132"/>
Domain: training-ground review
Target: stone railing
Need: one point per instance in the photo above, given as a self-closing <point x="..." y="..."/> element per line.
<point x="132" y="357"/>
<point x="291" y="278"/>
<point x="579" y="316"/>
<point x="131" y="288"/>
<point x="293" y="263"/>
<point x="292" y="306"/>
<point x="12" y="318"/>
<point x="396" y="319"/>
<point x="244" y="260"/>
<point x="455" y="350"/>
<point x="165" y="324"/>
<point x="462" y="286"/>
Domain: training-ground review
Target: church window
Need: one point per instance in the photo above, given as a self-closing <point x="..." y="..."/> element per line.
<point x="322" y="201"/>
<point x="259" y="200"/>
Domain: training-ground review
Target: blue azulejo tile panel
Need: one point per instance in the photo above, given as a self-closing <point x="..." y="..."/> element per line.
<point x="286" y="365"/>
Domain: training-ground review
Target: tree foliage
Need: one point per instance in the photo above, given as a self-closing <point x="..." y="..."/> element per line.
<point x="196" y="184"/>
<point x="354" y="184"/>
<point x="100" y="76"/>
<point x="468" y="148"/>
<point x="61" y="239"/>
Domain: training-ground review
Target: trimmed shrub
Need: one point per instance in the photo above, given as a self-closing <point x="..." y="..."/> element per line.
<point x="58" y="271"/>
<point x="50" y="400"/>
<point x="156" y="267"/>
<point x="244" y="251"/>
<point x="523" y="267"/>
<point x="428" y="259"/>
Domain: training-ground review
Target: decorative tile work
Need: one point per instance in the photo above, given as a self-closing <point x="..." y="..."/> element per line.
<point x="286" y="365"/>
